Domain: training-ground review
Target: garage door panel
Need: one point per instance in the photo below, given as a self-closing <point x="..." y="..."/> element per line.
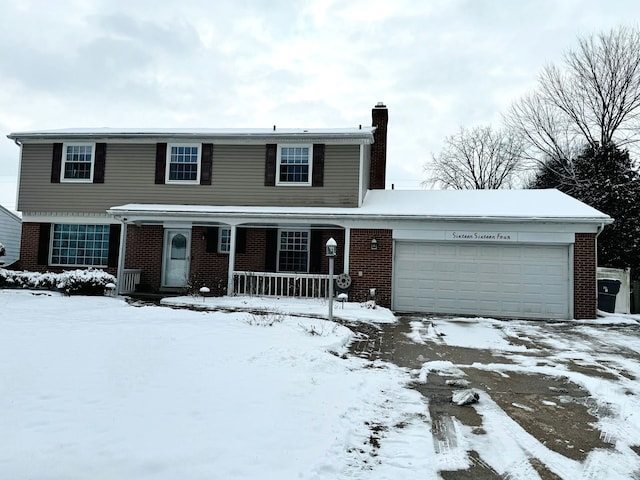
<point x="487" y="279"/>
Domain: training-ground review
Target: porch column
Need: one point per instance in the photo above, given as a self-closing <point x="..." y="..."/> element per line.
<point x="232" y="260"/>
<point x="121" y="254"/>
<point x="347" y="241"/>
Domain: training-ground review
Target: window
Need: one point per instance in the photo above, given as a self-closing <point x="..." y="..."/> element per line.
<point x="77" y="162"/>
<point x="183" y="163"/>
<point x="224" y="240"/>
<point x="84" y="245"/>
<point x="293" y="251"/>
<point x="294" y="165"/>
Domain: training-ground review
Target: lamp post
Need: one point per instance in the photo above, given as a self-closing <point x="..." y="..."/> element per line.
<point x="332" y="247"/>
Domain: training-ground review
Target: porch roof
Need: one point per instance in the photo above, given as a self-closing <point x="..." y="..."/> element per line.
<point x="469" y="205"/>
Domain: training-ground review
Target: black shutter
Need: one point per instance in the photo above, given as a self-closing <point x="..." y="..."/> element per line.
<point x="241" y="240"/>
<point x="315" y="251"/>
<point x="206" y="163"/>
<point x="271" y="250"/>
<point x="43" y="242"/>
<point x="161" y="162"/>
<point x="318" y="165"/>
<point x="98" y="165"/>
<point x="56" y="164"/>
<point x="212" y="239"/>
<point x="270" y="165"/>
<point x="114" y="245"/>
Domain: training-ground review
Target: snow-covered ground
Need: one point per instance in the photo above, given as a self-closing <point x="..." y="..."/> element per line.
<point x="95" y="388"/>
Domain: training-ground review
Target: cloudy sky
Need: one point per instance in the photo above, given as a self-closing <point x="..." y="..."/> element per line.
<point x="437" y="65"/>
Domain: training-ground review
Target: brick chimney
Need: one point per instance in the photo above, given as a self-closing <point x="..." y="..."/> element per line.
<point x="377" y="174"/>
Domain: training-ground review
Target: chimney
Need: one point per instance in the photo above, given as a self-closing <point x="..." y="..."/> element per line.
<point x="377" y="174"/>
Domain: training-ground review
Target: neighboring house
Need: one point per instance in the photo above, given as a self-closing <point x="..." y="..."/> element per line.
<point x="249" y="212"/>
<point x="10" y="231"/>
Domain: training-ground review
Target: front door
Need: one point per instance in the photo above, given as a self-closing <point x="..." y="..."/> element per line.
<point x="175" y="264"/>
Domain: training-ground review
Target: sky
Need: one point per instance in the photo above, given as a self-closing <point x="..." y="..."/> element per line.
<point x="437" y="64"/>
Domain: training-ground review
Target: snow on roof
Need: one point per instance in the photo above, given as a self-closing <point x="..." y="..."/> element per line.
<point x="359" y="133"/>
<point x="479" y="203"/>
<point x="524" y="205"/>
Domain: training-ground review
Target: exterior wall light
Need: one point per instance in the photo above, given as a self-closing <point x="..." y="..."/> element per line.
<point x="374" y="244"/>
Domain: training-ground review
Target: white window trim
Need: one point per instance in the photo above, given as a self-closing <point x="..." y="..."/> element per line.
<point x="220" y="240"/>
<point x="78" y="265"/>
<point x="64" y="162"/>
<point x="168" y="163"/>
<point x="280" y="230"/>
<point x="278" y="163"/>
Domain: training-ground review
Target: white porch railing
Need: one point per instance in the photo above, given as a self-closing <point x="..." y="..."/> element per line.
<point x="306" y="285"/>
<point x="130" y="278"/>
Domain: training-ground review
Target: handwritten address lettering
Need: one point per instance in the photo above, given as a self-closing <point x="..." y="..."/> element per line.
<point x="486" y="236"/>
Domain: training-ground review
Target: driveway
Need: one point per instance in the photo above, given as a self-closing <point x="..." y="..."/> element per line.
<point x="552" y="395"/>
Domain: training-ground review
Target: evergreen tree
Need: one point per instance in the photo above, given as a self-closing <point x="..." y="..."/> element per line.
<point x="605" y="178"/>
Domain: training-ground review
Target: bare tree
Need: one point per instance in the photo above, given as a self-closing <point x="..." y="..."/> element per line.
<point x="479" y="158"/>
<point x="593" y="99"/>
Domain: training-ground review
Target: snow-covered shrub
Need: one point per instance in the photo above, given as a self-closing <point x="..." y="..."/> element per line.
<point x="3" y="251"/>
<point x="72" y="282"/>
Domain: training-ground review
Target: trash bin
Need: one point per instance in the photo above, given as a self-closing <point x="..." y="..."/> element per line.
<point x="607" y="291"/>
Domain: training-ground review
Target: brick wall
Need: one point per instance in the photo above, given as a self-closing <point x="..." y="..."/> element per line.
<point x="584" y="276"/>
<point x="29" y="248"/>
<point x="375" y="265"/>
<point x="144" y="251"/>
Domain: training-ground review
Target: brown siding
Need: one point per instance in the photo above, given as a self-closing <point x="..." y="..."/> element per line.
<point x="375" y="265"/>
<point x="237" y="179"/>
<point x="584" y="276"/>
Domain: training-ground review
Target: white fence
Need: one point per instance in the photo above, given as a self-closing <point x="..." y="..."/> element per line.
<point x="130" y="278"/>
<point x="306" y="285"/>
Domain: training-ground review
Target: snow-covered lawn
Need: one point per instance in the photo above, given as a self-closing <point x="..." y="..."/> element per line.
<point x="94" y="388"/>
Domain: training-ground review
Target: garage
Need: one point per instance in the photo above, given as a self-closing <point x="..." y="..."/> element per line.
<point x="500" y="280"/>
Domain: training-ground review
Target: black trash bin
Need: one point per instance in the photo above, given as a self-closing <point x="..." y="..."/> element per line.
<point x="607" y="291"/>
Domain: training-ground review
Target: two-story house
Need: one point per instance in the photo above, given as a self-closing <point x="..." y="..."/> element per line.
<point x="248" y="211"/>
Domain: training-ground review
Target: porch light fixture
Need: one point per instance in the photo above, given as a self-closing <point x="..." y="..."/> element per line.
<point x="332" y="248"/>
<point x="374" y="244"/>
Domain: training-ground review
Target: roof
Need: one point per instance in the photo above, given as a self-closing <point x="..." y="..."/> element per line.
<point x="10" y="214"/>
<point x="496" y="205"/>
<point x="490" y="204"/>
<point x="339" y="135"/>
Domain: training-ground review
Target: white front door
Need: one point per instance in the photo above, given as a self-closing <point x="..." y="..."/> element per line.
<point x="175" y="264"/>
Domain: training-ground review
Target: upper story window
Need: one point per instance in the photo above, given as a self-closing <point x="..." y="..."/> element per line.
<point x="82" y="245"/>
<point x="183" y="163"/>
<point x="224" y="240"/>
<point x="294" y="165"/>
<point x="77" y="162"/>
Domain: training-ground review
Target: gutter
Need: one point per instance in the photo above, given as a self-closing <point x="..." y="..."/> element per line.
<point x="184" y="214"/>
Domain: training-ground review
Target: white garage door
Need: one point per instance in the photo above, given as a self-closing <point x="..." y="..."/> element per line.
<point x="527" y="281"/>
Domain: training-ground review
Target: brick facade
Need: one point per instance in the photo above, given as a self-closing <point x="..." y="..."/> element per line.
<point x="375" y="265"/>
<point x="144" y="251"/>
<point x="584" y="276"/>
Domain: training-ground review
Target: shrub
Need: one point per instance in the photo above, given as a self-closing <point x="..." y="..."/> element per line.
<point x="73" y="282"/>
